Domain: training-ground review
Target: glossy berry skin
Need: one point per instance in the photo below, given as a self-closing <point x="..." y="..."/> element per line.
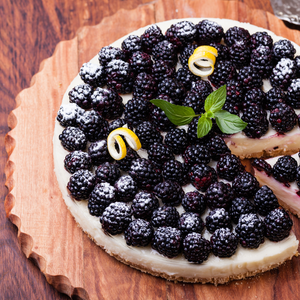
<point x="77" y="160"/>
<point x="165" y="216"/>
<point x="218" y="218"/>
<point x="139" y="233"/>
<point x="167" y="241"/>
<point x="190" y="222"/>
<point x="136" y="111"/>
<point x="209" y="32"/>
<point x="278" y="225"/>
<point x="148" y="134"/>
<point x="229" y="166"/>
<point x="196" y="249"/>
<point x="126" y="188"/>
<point x="219" y="195"/>
<point x="81" y="95"/>
<point x="285" y="169"/>
<point x="245" y="185"/>
<point x="265" y="200"/>
<point x="73" y="138"/>
<point x="240" y="206"/>
<point x="99" y="153"/>
<point x="176" y="139"/>
<point x="116" y="218"/>
<point x="250" y="231"/>
<point x="223" y="242"/>
<point x="194" y="201"/>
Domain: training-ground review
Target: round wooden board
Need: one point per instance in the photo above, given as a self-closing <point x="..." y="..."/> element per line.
<point x="47" y="232"/>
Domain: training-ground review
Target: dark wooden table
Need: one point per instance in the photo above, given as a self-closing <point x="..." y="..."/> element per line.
<point x="30" y="30"/>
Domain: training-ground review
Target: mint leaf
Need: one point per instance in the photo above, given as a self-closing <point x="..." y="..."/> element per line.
<point x="215" y="101"/>
<point x="204" y="126"/>
<point x="229" y="123"/>
<point x="178" y="115"/>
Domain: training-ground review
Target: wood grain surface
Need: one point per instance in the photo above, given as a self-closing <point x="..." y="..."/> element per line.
<point x="30" y="31"/>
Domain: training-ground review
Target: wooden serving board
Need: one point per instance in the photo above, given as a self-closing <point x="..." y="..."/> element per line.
<point x="48" y="235"/>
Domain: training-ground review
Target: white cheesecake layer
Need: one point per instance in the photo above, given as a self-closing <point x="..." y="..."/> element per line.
<point x="244" y="263"/>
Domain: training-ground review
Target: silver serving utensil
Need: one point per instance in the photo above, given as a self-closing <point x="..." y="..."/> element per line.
<point x="287" y="10"/>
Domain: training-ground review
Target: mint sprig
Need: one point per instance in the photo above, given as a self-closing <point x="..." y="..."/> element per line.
<point x="183" y="115"/>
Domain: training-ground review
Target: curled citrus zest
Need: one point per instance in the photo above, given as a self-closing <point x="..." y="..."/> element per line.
<point x="115" y="136"/>
<point x="202" y="61"/>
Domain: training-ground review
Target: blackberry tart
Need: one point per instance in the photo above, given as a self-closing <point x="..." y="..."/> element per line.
<point x="197" y="256"/>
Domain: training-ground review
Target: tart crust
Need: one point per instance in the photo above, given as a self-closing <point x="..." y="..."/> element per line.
<point x="245" y="263"/>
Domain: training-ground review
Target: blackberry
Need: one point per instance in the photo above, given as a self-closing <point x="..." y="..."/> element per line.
<point x="148" y="134"/>
<point x="143" y="205"/>
<point x="144" y="174"/>
<point x="195" y="154"/>
<point x="125" y="163"/>
<point x="202" y="176"/>
<point x="261" y="38"/>
<point x="136" y="111"/>
<point x="169" y="192"/>
<point x="93" y="125"/>
<point x="261" y="61"/>
<point x="223" y="242"/>
<point x="249" y="78"/>
<point x="202" y="87"/>
<point x="81" y="184"/>
<point x="165" y="216"/>
<point x="278" y="225"/>
<point x="160" y="120"/>
<point x="93" y="74"/>
<point x="77" y="160"/>
<point x="209" y="31"/>
<point x="285" y="169"/>
<point x="196" y="248"/>
<point x="81" y="95"/>
<point x="186" y="77"/>
<point x="176" y="139"/>
<point x="223" y="51"/>
<point x="223" y="72"/>
<point x="218" y="147"/>
<point x="102" y="195"/>
<point x="239" y="53"/>
<point x="115" y="218"/>
<point x="283" y="73"/>
<point x="185" y="54"/>
<point x="99" y="153"/>
<point x="73" y="138"/>
<point x="172" y="88"/>
<point x="131" y="44"/>
<point x="107" y="172"/>
<point x="140" y="62"/>
<point x="245" y="185"/>
<point x="120" y="76"/>
<point x="282" y="118"/>
<point x="167" y="241"/>
<point x="234" y="94"/>
<point x="273" y="96"/>
<point x="257" y="123"/>
<point x="240" y="206"/>
<point x="68" y="114"/>
<point x="181" y="33"/>
<point x="139" y="233"/>
<point x="234" y="34"/>
<point x="108" y="103"/>
<point x="165" y="51"/>
<point x="144" y="87"/>
<point x="126" y="188"/>
<point x="298" y="176"/>
<point x="115" y="124"/>
<point x="293" y="93"/>
<point x="173" y="170"/>
<point x="159" y="153"/>
<point x="229" y="166"/>
<point x="194" y="100"/>
<point x="151" y="37"/>
<point x="192" y="133"/>
<point x="250" y="231"/>
<point x="297" y="61"/>
<point x="194" y="202"/>
<point x="232" y="107"/>
<point x="109" y="53"/>
<point x="190" y="222"/>
<point x="162" y="70"/>
<point x="254" y="96"/>
<point x="218" y="218"/>
<point x="261" y="165"/>
<point x="219" y="195"/>
<point x="265" y="200"/>
<point x="283" y="48"/>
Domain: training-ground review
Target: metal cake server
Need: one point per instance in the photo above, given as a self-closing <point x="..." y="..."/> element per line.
<point x="287" y="10"/>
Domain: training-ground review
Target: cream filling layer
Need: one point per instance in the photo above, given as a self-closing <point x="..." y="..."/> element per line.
<point x="243" y="261"/>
